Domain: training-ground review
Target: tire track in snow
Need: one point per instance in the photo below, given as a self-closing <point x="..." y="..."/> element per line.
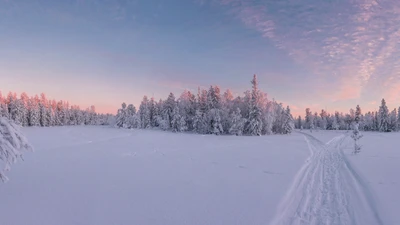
<point x="327" y="190"/>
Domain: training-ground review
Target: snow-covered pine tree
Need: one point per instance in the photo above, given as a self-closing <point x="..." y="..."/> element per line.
<point x="237" y="123"/>
<point x="317" y="121"/>
<point x="255" y="124"/>
<point x="144" y="113"/>
<point x="24" y="98"/>
<point x="153" y="112"/>
<point x="167" y="113"/>
<point x="308" y="119"/>
<point x="398" y="119"/>
<point x="356" y="136"/>
<point x="121" y="118"/>
<point x="335" y="123"/>
<point x="357" y="115"/>
<point x="383" y="116"/>
<point x="323" y="124"/>
<point x="33" y="113"/>
<point x="213" y="114"/>
<point x="178" y="121"/>
<point x="288" y="124"/>
<point x="299" y="123"/>
<point x="12" y="144"/>
<point x="393" y="120"/>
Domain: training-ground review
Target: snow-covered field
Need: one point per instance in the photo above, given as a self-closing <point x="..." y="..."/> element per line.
<point x="107" y="176"/>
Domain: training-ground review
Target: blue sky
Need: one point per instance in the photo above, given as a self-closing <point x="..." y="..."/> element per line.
<point x="319" y="54"/>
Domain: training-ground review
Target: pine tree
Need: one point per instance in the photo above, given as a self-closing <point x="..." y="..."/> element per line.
<point x="122" y="118"/>
<point x="393" y="120"/>
<point x="308" y="119"/>
<point x="144" y="113"/>
<point x="357" y="116"/>
<point x="288" y="124"/>
<point x="237" y="123"/>
<point x="335" y="123"/>
<point x="255" y="124"/>
<point x="299" y="123"/>
<point x="33" y="113"/>
<point x="398" y="119"/>
<point x="167" y="113"/>
<point x="383" y="116"/>
<point x="24" y="101"/>
<point x="356" y="136"/>
<point x="199" y="123"/>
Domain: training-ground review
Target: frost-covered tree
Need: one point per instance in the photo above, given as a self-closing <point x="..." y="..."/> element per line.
<point x="24" y="101"/>
<point x="288" y="122"/>
<point x="398" y="119"/>
<point x="213" y="115"/>
<point x="299" y="123"/>
<point x="33" y="112"/>
<point x="335" y="123"/>
<point x="12" y="145"/>
<point x="178" y="121"/>
<point x="237" y="123"/>
<point x="255" y="125"/>
<point x="393" y="120"/>
<point x="200" y="125"/>
<point x="153" y="112"/>
<point x="122" y="117"/>
<point x="383" y="116"/>
<point x="356" y="136"/>
<point x="308" y="119"/>
<point x="357" y="115"/>
<point x="144" y="113"/>
<point x="167" y="112"/>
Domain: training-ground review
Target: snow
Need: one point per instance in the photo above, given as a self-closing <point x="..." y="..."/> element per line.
<point x="101" y="175"/>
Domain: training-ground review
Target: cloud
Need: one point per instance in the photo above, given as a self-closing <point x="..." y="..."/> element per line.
<point x="354" y="44"/>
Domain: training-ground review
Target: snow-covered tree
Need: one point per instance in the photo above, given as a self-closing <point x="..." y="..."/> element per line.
<point x="144" y="113"/>
<point x="356" y="136"/>
<point x="255" y="124"/>
<point x="393" y="120"/>
<point x="308" y="119"/>
<point x="383" y="116"/>
<point x="33" y="112"/>
<point x="178" y="121"/>
<point x="200" y="125"/>
<point x="398" y="119"/>
<point x="237" y="123"/>
<point x="122" y="117"/>
<point x="12" y="145"/>
<point x="357" y="115"/>
<point x="288" y="122"/>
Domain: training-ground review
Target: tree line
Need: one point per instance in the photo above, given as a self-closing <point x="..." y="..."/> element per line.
<point x="39" y="111"/>
<point x="210" y="112"/>
<point x="382" y="120"/>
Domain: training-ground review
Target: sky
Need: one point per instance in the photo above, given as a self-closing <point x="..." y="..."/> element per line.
<point x="322" y="54"/>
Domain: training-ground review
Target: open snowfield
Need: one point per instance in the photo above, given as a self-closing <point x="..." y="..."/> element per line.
<point x="107" y="176"/>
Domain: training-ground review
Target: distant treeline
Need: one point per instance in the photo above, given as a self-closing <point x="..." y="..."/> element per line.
<point x="39" y="111"/>
<point x="381" y="120"/>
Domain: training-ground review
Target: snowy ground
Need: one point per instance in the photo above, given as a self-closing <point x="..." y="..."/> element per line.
<point x="106" y="176"/>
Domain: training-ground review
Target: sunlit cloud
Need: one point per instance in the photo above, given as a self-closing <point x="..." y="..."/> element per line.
<point x="353" y="43"/>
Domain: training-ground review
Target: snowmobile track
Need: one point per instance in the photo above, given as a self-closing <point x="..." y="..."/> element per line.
<point x="327" y="190"/>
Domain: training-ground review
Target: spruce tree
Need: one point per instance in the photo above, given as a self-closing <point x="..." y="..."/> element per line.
<point x="255" y="124"/>
<point x="237" y="123"/>
<point x="383" y="116"/>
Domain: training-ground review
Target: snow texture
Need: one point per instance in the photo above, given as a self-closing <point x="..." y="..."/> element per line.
<point x="99" y="175"/>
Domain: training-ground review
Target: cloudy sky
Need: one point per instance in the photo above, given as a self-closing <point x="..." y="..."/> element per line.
<point x="330" y="54"/>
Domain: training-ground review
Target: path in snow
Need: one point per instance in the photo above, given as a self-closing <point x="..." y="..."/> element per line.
<point x="327" y="190"/>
